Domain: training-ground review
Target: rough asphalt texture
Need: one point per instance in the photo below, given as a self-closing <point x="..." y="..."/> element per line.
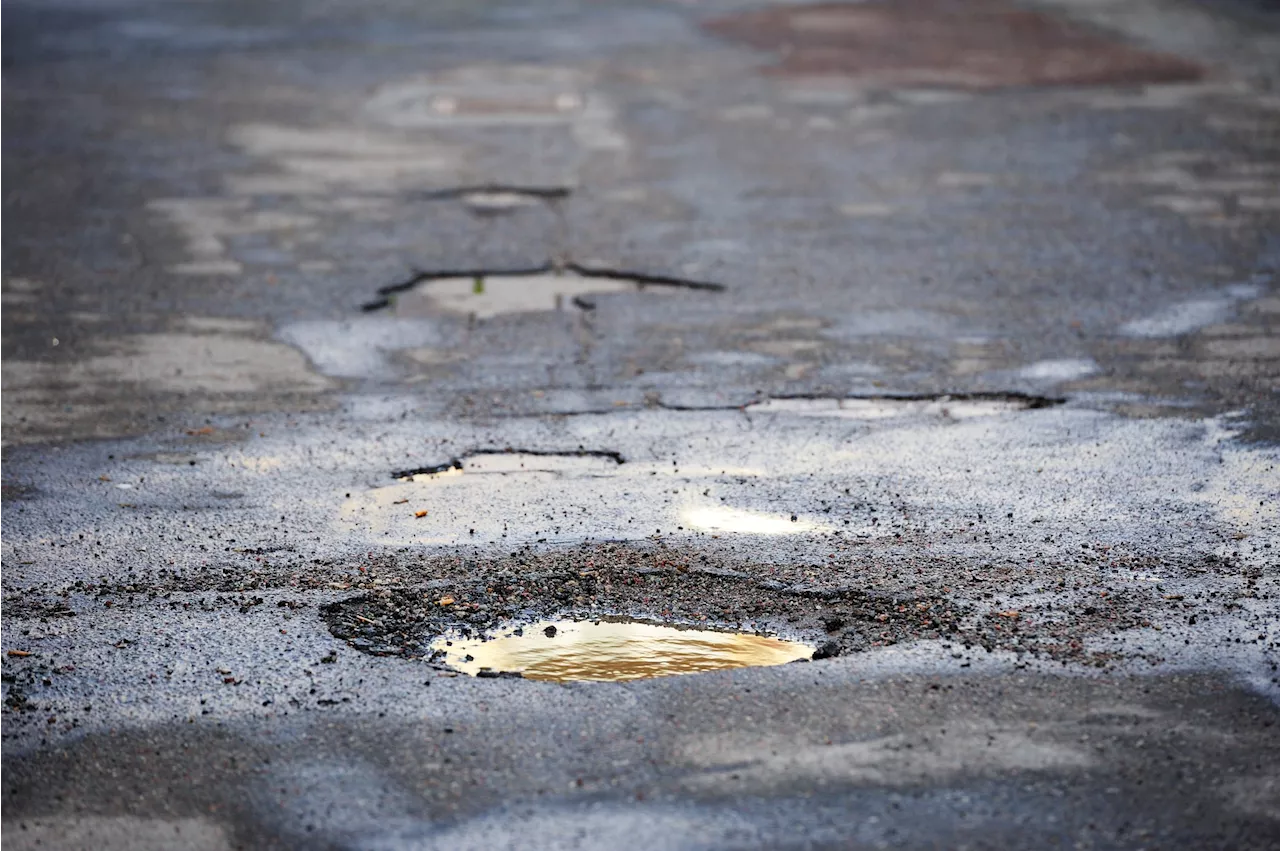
<point x="984" y="407"/>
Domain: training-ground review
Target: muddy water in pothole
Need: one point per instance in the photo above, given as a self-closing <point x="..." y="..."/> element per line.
<point x="613" y="651"/>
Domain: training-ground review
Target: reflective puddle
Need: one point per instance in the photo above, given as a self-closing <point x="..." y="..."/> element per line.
<point x="486" y="296"/>
<point x="954" y="408"/>
<point x="613" y="651"/>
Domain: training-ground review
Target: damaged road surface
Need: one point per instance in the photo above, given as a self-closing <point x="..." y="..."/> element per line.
<point x="724" y="425"/>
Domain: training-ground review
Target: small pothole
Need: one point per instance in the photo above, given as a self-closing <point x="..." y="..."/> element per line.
<point x="956" y="406"/>
<point x="612" y="650"/>
<point x="485" y="297"/>
<point x="505" y="461"/>
<point x="484" y="294"/>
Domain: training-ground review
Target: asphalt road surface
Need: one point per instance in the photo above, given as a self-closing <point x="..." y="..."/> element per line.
<point x="942" y="337"/>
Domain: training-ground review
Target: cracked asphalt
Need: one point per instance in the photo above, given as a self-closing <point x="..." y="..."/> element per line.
<point x="940" y="336"/>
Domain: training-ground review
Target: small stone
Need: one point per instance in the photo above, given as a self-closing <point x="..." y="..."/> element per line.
<point x="828" y="650"/>
<point x="487" y="673"/>
<point x="550" y="632"/>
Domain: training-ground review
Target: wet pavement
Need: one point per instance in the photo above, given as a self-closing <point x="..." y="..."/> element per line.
<point x="937" y="338"/>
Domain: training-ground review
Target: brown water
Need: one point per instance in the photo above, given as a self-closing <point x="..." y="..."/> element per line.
<point x="564" y="651"/>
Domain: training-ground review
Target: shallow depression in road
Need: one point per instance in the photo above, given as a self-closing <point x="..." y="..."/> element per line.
<point x="488" y="296"/>
<point x="614" y="650"/>
<point x="483" y="294"/>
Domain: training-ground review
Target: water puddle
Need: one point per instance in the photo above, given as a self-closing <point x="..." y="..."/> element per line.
<point x="945" y="407"/>
<point x="484" y="294"/>
<point x="613" y="651"/>
<point x="487" y="296"/>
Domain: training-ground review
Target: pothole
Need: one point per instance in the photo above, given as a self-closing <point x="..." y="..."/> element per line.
<point x="953" y="407"/>
<point x="506" y="461"/>
<point x="484" y="294"/>
<point x="498" y="199"/>
<point x="487" y="296"/>
<point x="412" y="621"/>
<point x="612" y="650"/>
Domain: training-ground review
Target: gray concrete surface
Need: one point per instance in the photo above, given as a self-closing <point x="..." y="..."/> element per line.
<point x="983" y="400"/>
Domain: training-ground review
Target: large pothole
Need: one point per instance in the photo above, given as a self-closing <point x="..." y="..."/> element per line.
<point x="416" y="622"/>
